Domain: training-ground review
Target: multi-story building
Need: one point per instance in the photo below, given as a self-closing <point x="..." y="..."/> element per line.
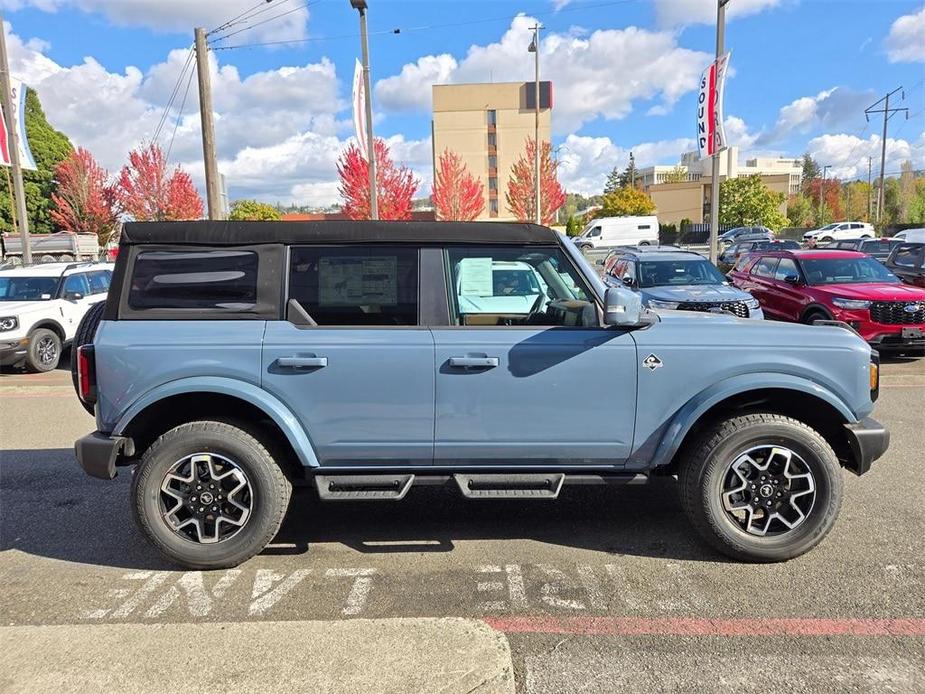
<point x="689" y="197"/>
<point x="488" y="126"/>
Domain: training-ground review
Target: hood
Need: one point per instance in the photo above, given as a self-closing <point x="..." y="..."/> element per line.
<point x="18" y="308"/>
<point x="695" y="292"/>
<point x="874" y="291"/>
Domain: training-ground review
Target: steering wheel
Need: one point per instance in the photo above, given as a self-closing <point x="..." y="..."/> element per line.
<point x="537" y="305"/>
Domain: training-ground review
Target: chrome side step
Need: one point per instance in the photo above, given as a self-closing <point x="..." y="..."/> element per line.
<point x="360" y="487"/>
<point x="513" y="486"/>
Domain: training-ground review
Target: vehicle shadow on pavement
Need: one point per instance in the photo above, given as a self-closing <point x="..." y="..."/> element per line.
<point x="49" y="508"/>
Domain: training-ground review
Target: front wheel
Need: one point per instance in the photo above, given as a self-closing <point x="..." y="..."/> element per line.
<point x="761" y="487"/>
<point x="44" y="351"/>
<point x="208" y="495"/>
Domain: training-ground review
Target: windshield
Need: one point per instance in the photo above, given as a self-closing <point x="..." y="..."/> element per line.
<point x="846" y="271"/>
<point x="26" y="288"/>
<point x="677" y="272"/>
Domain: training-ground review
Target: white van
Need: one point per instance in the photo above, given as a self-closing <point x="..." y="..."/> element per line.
<point x="606" y="232"/>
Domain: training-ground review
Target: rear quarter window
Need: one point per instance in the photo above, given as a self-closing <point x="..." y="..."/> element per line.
<point x="223" y="280"/>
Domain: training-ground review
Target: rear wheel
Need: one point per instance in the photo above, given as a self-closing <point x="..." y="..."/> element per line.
<point x="86" y="331"/>
<point x="44" y="350"/>
<point x="761" y="487"/>
<point x="827" y="239"/>
<point x="208" y="495"/>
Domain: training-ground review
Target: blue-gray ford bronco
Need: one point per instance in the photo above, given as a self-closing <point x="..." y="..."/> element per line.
<point x="233" y="360"/>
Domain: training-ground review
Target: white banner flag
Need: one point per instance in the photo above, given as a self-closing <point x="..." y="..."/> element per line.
<point x="711" y="137"/>
<point x="359" y="108"/>
<point x="19" y="117"/>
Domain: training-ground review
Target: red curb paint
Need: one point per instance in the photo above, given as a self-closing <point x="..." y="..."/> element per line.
<point x="694" y="626"/>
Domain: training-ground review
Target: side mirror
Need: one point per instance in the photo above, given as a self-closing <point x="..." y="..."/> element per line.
<point x="792" y="279"/>
<point x="629" y="281"/>
<point x="623" y="308"/>
<point x="73" y="296"/>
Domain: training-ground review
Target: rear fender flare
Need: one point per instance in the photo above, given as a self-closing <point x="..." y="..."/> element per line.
<point x="685" y="418"/>
<point x="248" y="392"/>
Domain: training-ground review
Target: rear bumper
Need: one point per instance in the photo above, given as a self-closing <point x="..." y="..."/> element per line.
<point x="97" y="453"/>
<point x="869" y="440"/>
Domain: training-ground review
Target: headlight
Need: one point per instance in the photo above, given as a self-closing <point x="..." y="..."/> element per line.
<point x="752" y="303"/>
<point x="850" y="303"/>
<point x="8" y="323"/>
<point x="655" y="303"/>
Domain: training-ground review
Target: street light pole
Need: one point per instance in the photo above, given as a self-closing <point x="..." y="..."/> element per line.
<point x="535" y="49"/>
<point x="361" y="7"/>
<point x="822" y="195"/>
<point x="632" y="171"/>
<point x="6" y="98"/>
<point x="714" y="178"/>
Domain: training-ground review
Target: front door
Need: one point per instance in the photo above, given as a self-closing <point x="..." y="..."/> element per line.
<point x="361" y="380"/>
<point x="525" y="374"/>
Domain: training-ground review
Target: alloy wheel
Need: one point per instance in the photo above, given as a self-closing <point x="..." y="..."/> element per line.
<point x="206" y="498"/>
<point x="47" y="350"/>
<point x="768" y="491"/>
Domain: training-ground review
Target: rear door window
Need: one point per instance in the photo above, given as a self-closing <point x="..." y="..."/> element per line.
<point x="357" y="285"/>
<point x="208" y="279"/>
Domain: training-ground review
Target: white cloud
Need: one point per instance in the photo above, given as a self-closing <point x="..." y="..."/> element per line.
<point x="847" y="154"/>
<point x="584" y="162"/>
<point x="906" y="40"/>
<point x="672" y="13"/>
<point x="276" y="130"/>
<point x="830" y="108"/>
<point x="601" y="74"/>
<point x="182" y="15"/>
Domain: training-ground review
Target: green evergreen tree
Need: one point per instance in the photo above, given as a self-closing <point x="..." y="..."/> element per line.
<point x="613" y="181"/>
<point x="810" y="171"/>
<point x="49" y="148"/>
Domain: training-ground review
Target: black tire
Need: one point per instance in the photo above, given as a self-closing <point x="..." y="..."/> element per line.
<point x="269" y="494"/>
<point x="44" y="351"/>
<point x="86" y="331"/>
<point x="705" y="469"/>
<point x="827" y="239"/>
<point x="813" y="315"/>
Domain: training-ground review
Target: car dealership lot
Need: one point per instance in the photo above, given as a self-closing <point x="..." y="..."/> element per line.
<point x="604" y="590"/>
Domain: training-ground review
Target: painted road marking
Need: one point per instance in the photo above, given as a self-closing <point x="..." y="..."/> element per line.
<point x="701" y="626"/>
<point x="264" y="595"/>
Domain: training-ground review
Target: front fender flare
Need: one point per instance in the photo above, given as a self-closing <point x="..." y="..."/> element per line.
<point x="685" y="418"/>
<point x="241" y="390"/>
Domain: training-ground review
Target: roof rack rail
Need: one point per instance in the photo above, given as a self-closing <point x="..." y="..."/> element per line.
<point x="71" y="266"/>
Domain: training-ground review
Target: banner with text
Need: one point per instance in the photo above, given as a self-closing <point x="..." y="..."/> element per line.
<point x="711" y="138"/>
<point x="18" y="98"/>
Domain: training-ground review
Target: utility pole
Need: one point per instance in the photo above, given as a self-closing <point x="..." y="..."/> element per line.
<point x="887" y="114"/>
<point x="714" y="178"/>
<point x="870" y="190"/>
<point x="213" y="183"/>
<point x="361" y="7"/>
<point x="822" y="195"/>
<point x="632" y="171"/>
<point x="535" y="49"/>
<point x="12" y="143"/>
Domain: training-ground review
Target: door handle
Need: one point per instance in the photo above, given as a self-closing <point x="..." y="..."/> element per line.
<point x="474" y="362"/>
<point x="302" y="362"/>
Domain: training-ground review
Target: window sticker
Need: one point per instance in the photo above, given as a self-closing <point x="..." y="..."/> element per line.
<point x="475" y="277"/>
<point x="352" y="281"/>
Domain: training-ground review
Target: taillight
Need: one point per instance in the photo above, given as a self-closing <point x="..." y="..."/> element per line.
<point x="86" y="374"/>
<point x="874" y="374"/>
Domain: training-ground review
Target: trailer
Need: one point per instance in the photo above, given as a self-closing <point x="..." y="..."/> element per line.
<point x="63" y="246"/>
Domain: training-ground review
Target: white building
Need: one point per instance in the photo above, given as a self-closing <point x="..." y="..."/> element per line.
<point x="729" y="167"/>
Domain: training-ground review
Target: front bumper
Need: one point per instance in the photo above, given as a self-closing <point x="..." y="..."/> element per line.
<point x="869" y="440"/>
<point x="97" y="453"/>
<point x="13" y="351"/>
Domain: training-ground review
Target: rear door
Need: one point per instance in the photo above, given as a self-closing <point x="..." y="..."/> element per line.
<point x="547" y="385"/>
<point x="361" y="378"/>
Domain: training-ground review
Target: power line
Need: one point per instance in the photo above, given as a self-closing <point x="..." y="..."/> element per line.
<point x="173" y="136"/>
<point x="429" y="27"/>
<point x="241" y="17"/>
<point x="267" y="20"/>
<point x="173" y="95"/>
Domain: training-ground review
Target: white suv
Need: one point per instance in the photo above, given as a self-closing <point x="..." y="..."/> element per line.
<point x="41" y="307"/>
<point x="839" y="231"/>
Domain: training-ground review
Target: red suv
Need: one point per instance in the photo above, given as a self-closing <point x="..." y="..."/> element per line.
<point x="805" y="286"/>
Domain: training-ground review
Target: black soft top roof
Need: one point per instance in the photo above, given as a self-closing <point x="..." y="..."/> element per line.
<point x="333" y="232"/>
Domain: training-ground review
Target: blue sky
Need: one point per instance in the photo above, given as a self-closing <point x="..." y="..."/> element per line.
<point x="625" y="75"/>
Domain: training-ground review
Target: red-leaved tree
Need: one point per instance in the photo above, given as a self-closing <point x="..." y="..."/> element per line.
<point x="830" y="190"/>
<point x="521" y="194"/>
<point x="149" y="192"/>
<point x="458" y="195"/>
<point x="85" y="201"/>
<point x="395" y="184"/>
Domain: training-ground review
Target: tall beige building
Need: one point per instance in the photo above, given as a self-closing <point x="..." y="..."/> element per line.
<point x="488" y="126"/>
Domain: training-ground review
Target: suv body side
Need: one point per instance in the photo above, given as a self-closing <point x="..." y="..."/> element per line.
<point x="907" y="261"/>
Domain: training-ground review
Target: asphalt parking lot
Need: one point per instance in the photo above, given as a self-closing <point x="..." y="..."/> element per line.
<point x="606" y="590"/>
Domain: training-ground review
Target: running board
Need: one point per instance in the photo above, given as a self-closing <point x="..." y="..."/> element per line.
<point x="360" y="487"/>
<point x="515" y="486"/>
